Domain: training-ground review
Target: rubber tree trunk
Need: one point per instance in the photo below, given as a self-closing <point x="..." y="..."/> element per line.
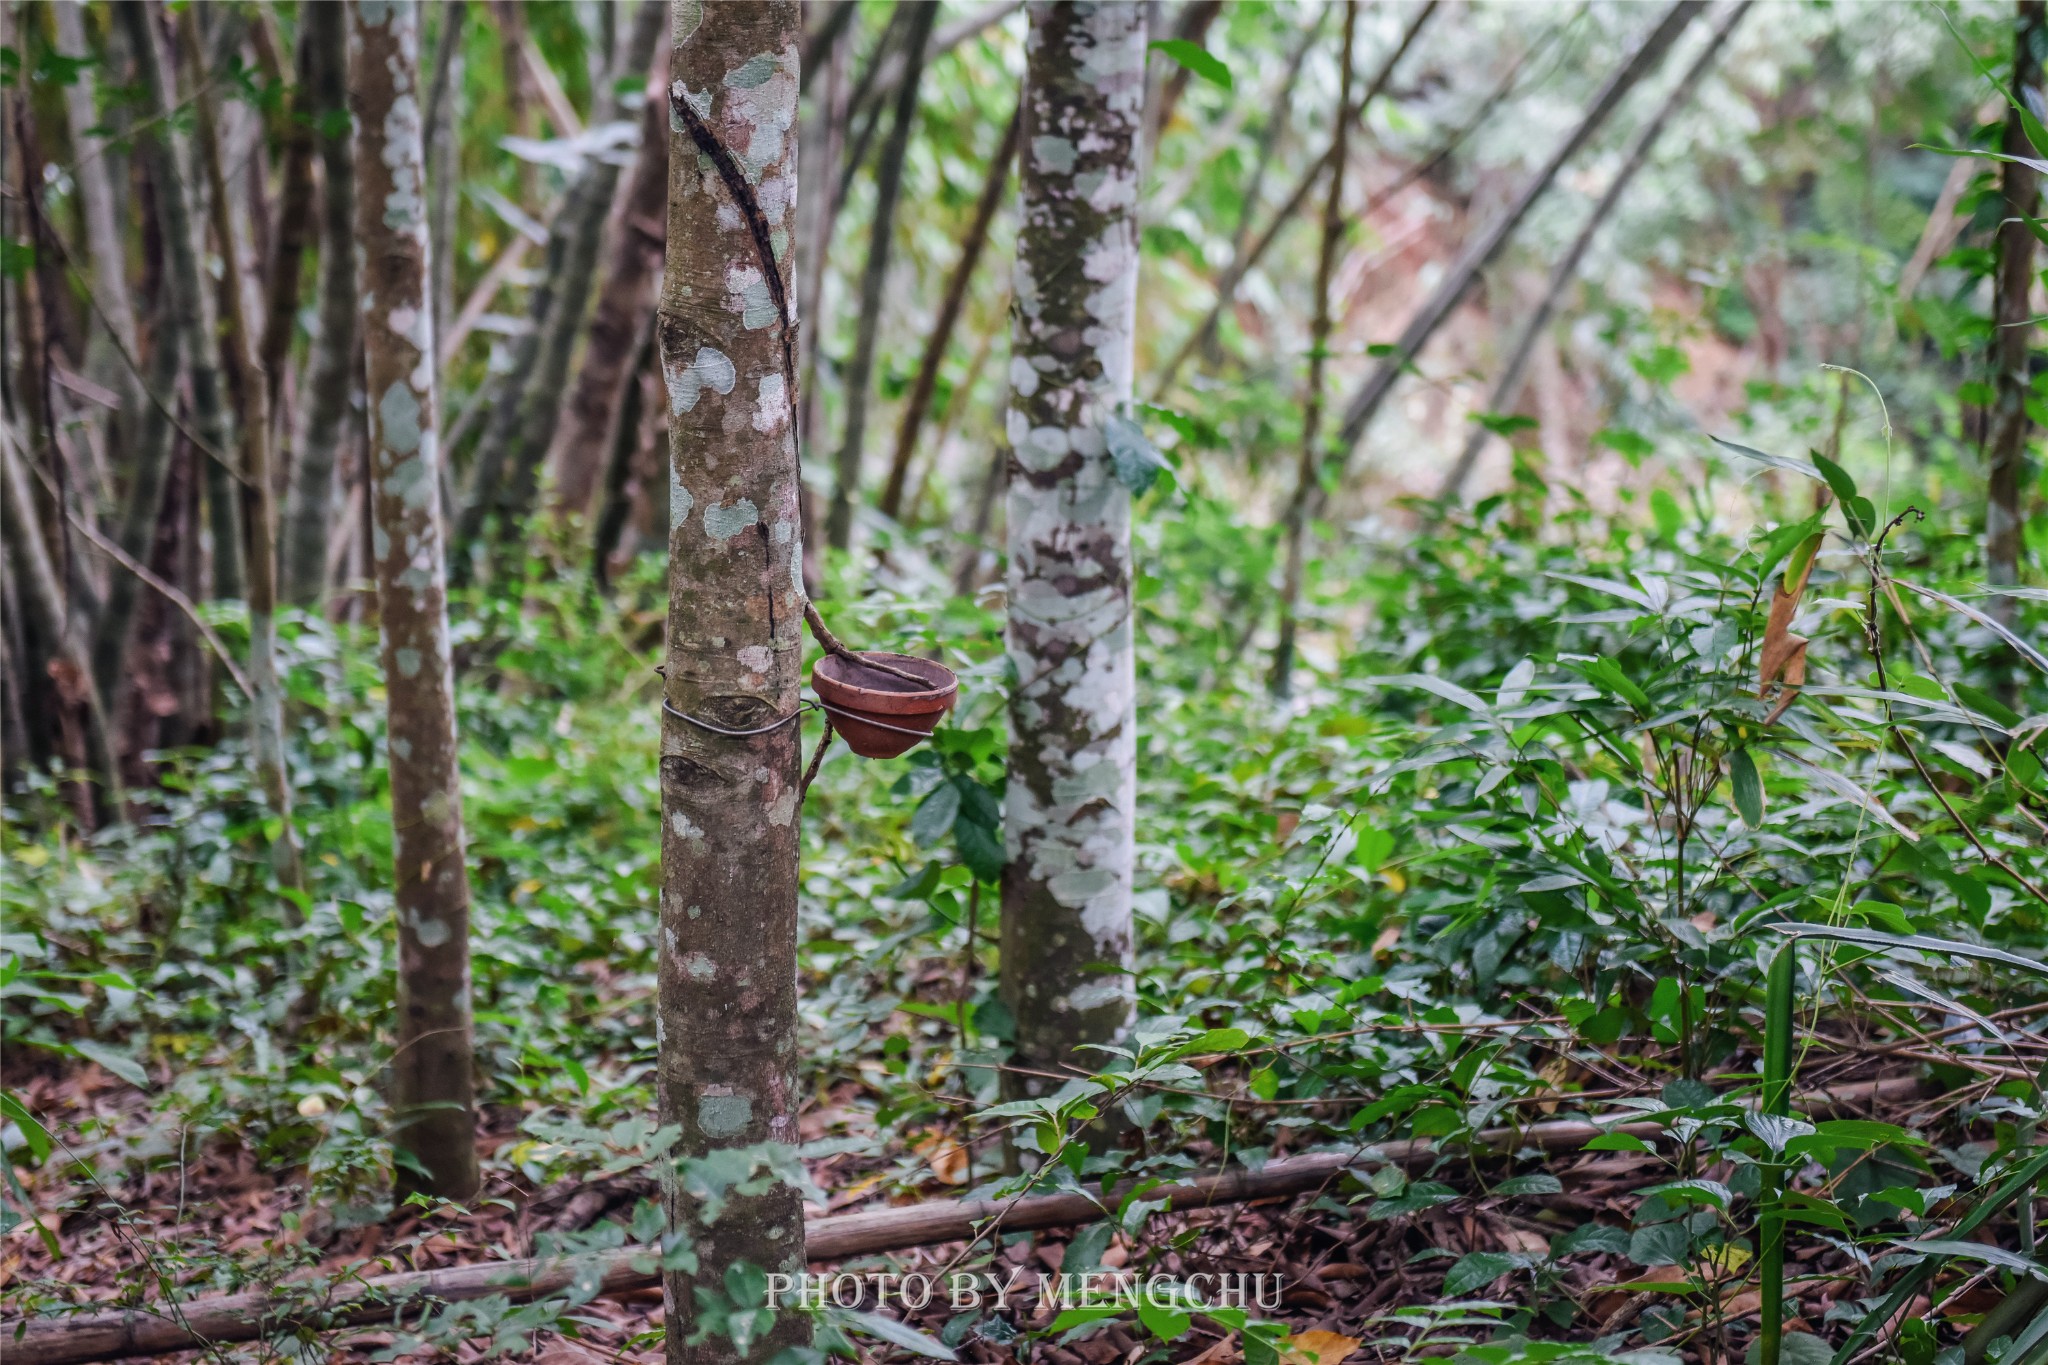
<point x="1507" y="390"/>
<point x="620" y="320"/>
<point x="444" y="155"/>
<point x="919" y="403"/>
<point x="1294" y="523"/>
<point x="875" y="278"/>
<point x="432" y="1085"/>
<point x="727" y="1021"/>
<point x="259" y="502"/>
<point x="1068" y="818"/>
<point x="185" y="283"/>
<point x="173" y="337"/>
<point x="89" y="171"/>
<point x="628" y="430"/>
<point x="43" y="590"/>
<point x="324" y="417"/>
<point x="1243" y="258"/>
<point x="580" y="232"/>
<point x="297" y="224"/>
<point x="1482" y="251"/>
<point x="2012" y="353"/>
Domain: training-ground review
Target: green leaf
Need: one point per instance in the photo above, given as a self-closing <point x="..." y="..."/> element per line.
<point x="32" y="1132"/>
<point x="1475" y="1270"/>
<point x="1606" y="675"/>
<point x="1665" y="511"/>
<point x="1972" y="1251"/>
<point x="935" y="814"/>
<point x="1774" y="461"/>
<point x="1137" y="462"/>
<point x="1529" y="1184"/>
<point x="120" y="1063"/>
<point x="897" y="1334"/>
<point x="1871" y="938"/>
<point x="1856" y="508"/>
<point x="1749" y="788"/>
<point x="1692" y="1192"/>
<point x="916" y="886"/>
<point x="1618" y="1142"/>
<point x="1196" y="59"/>
<point x="981" y="849"/>
<point x="1591" y="1237"/>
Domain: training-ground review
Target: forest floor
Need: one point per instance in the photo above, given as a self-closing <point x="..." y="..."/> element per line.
<point x="1342" y="1267"/>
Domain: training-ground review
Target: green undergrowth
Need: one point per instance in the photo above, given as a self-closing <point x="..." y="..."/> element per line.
<point x="1522" y="831"/>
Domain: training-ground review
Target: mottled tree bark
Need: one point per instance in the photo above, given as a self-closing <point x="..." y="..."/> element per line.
<point x="259" y="502"/>
<point x="2012" y="351"/>
<point x="727" y="1015"/>
<point x="1481" y="251"/>
<point x="1066" y="916"/>
<point x="1507" y="390"/>
<point x="874" y="278"/>
<point x="331" y="366"/>
<point x="620" y="320"/>
<point x="1294" y="523"/>
<point x="580" y="230"/>
<point x="432" y="1087"/>
<point x="919" y="402"/>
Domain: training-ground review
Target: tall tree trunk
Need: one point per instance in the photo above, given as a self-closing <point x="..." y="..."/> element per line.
<point x="920" y="400"/>
<point x="875" y="278"/>
<point x="623" y="455"/>
<point x="296" y="222"/>
<point x="620" y="320"/>
<point x="331" y="366"/>
<point x="823" y="139"/>
<point x="523" y="424"/>
<point x="727" y="1020"/>
<point x="444" y="156"/>
<point x="177" y="182"/>
<point x="1465" y="271"/>
<point x="2012" y="354"/>
<point x="1243" y="258"/>
<point x="89" y="171"/>
<point x="1068" y="820"/>
<point x="259" y="501"/>
<point x="432" y="1085"/>
<point x="173" y="335"/>
<point x="1294" y="525"/>
<point x="39" y="583"/>
<point x="1507" y="390"/>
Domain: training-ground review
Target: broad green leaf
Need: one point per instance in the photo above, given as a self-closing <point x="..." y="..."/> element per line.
<point x="1196" y="59"/>
<point x="120" y="1063"/>
<point x="1748" y="787"/>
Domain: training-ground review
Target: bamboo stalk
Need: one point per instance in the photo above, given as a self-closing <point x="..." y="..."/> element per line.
<point x="350" y="1301"/>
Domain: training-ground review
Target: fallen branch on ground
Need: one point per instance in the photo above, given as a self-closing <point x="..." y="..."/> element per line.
<point x="325" y="1306"/>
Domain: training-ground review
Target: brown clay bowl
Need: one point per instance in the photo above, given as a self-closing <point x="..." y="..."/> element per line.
<point x="879" y="714"/>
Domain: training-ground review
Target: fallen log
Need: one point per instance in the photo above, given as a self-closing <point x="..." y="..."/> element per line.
<point x="337" y="1303"/>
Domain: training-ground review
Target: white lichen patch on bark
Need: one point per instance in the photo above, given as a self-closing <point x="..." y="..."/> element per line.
<point x="1071" y="794"/>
